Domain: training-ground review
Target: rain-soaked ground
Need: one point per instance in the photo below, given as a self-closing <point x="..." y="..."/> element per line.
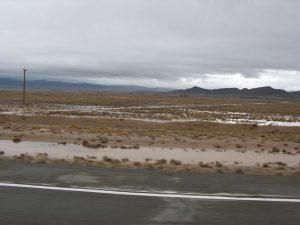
<point x="153" y="113"/>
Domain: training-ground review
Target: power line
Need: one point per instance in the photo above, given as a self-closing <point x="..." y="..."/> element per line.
<point x="24" y="85"/>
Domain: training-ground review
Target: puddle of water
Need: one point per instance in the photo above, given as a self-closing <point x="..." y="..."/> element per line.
<point x="194" y="113"/>
<point x="68" y="151"/>
<point x="260" y="122"/>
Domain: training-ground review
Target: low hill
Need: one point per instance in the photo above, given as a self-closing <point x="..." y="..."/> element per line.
<point x="261" y="92"/>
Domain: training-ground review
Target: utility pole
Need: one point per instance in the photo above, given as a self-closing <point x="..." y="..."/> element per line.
<point x="24" y="85"/>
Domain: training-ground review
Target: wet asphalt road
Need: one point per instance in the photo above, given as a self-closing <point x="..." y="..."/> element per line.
<point x="32" y="206"/>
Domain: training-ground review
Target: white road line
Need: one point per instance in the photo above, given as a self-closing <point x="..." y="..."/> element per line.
<point x="148" y="194"/>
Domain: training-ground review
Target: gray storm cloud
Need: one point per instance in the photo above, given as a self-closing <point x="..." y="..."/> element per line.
<point x="157" y="43"/>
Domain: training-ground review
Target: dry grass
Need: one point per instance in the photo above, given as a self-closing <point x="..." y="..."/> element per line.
<point x="175" y="162"/>
<point x="277" y="168"/>
<point x="93" y="144"/>
<point x="16" y="139"/>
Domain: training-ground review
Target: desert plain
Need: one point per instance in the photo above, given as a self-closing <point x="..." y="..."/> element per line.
<point x="152" y="130"/>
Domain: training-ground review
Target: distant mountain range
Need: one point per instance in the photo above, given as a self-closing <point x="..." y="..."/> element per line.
<point x="7" y="83"/>
<point x="261" y="92"/>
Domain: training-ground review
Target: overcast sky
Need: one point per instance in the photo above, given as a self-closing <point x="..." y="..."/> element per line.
<point x="163" y="43"/>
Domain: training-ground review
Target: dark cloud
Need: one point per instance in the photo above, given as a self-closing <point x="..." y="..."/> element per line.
<point x="139" y="40"/>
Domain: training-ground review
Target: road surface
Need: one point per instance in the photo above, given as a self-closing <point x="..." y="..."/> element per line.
<point x="26" y="205"/>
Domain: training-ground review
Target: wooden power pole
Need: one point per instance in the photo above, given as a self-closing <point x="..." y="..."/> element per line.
<point x="24" y="85"/>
